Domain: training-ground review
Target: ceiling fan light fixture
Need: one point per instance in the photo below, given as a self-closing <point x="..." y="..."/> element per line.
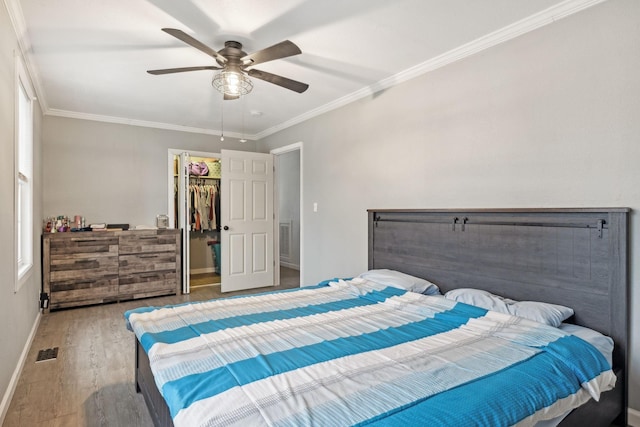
<point x="232" y="83"/>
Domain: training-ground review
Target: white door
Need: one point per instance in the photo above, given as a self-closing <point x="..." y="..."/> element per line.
<point x="246" y="208"/>
<point x="183" y="218"/>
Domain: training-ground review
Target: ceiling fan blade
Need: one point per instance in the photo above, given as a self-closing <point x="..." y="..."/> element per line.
<point x="279" y="80"/>
<point x="277" y="51"/>
<point x="228" y="97"/>
<point x="181" y="35"/>
<point x="182" y="70"/>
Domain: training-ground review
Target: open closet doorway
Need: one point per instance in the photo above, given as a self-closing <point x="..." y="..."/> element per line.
<point x="194" y="207"/>
<point x="288" y="207"/>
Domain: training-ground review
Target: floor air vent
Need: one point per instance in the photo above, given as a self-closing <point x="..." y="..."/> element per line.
<point x="48" y="354"/>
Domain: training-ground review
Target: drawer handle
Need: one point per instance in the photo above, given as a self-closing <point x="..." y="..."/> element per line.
<point x="85" y="261"/>
<point x="147" y="237"/>
<point x="147" y="256"/>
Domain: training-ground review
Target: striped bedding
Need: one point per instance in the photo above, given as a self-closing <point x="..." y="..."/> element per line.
<point x="357" y="353"/>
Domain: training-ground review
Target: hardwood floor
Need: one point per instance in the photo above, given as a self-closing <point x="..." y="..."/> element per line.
<point x="204" y="279"/>
<point x="91" y="383"/>
<point x="289" y="277"/>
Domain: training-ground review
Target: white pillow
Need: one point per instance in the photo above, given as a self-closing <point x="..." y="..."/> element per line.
<point x="400" y="280"/>
<point x="595" y="338"/>
<point x="550" y="314"/>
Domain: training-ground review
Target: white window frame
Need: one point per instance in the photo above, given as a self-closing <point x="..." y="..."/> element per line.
<point x="24" y="175"/>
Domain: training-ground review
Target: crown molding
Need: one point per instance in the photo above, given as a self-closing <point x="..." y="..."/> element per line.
<point x="143" y="123"/>
<point x="533" y="22"/>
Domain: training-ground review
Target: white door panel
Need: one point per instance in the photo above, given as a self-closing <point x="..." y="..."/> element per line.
<point x="259" y="253"/>
<point x="183" y="219"/>
<point x="236" y="251"/>
<point x="259" y="201"/>
<point x="247" y="220"/>
<point x="237" y="200"/>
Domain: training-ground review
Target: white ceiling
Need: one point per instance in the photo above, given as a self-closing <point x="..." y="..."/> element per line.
<point x="89" y="58"/>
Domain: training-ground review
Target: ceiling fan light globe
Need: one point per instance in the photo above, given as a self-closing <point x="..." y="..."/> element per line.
<point x="232" y="83"/>
<point x="232" y="79"/>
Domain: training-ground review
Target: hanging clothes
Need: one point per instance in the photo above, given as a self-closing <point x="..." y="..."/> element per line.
<point x="204" y="206"/>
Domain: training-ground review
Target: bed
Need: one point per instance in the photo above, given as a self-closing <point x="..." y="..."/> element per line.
<point x="570" y="257"/>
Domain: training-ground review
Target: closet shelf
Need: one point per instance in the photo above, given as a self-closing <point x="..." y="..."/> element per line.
<point x="200" y="177"/>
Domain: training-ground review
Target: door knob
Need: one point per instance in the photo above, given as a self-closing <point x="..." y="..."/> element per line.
<point x="225" y="227"/>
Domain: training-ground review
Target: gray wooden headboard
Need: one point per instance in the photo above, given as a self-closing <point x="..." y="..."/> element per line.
<point x="573" y="257"/>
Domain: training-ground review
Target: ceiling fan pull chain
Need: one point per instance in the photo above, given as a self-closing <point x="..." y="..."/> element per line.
<point x="222" y="122"/>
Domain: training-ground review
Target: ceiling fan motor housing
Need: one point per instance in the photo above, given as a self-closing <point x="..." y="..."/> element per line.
<point x="233" y="52"/>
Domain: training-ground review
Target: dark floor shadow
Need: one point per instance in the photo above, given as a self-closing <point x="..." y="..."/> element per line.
<point x="116" y="405"/>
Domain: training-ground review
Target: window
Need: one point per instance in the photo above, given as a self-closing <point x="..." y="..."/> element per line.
<point x="24" y="174"/>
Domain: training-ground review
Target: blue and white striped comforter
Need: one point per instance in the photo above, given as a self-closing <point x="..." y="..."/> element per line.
<point x="355" y="353"/>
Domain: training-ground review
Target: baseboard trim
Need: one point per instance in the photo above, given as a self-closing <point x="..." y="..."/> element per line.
<point x="633" y="417"/>
<point x="289" y="265"/>
<point x="8" y="394"/>
<point x="202" y="270"/>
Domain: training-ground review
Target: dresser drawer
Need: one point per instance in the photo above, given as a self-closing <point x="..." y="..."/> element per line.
<point x="82" y="266"/>
<point x="148" y="242"/>
<point x="64" y="246"/>
<point x="72" y="293"/>
<point x="142" y="285"/>
<point x="145" y="263"/>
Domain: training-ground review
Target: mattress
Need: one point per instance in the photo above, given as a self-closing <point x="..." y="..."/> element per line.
<point x="360" y="353"/>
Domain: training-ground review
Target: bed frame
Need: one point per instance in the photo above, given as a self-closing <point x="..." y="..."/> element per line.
<point x="573" y="257"/>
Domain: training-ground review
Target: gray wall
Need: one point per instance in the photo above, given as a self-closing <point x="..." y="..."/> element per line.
<point x="549" y="119"/>
<point x="18" y="311"/>
<point x="114" y="173"/>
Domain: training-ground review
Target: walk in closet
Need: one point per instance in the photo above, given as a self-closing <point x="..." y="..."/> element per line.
<point x="224" y="205"/>
<point x="202" y="212"/>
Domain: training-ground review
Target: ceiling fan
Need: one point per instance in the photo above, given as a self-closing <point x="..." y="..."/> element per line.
<point x="233" y="62"/>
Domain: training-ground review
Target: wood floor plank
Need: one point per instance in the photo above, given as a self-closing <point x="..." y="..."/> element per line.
<point x="91" y="383"/>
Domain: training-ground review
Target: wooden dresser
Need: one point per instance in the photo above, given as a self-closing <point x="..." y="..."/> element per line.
<point x="104" y="266"/>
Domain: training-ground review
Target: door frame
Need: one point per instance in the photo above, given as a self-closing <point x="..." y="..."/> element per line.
<point x="185" y="261"/>
<point x="298" y="146"/>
